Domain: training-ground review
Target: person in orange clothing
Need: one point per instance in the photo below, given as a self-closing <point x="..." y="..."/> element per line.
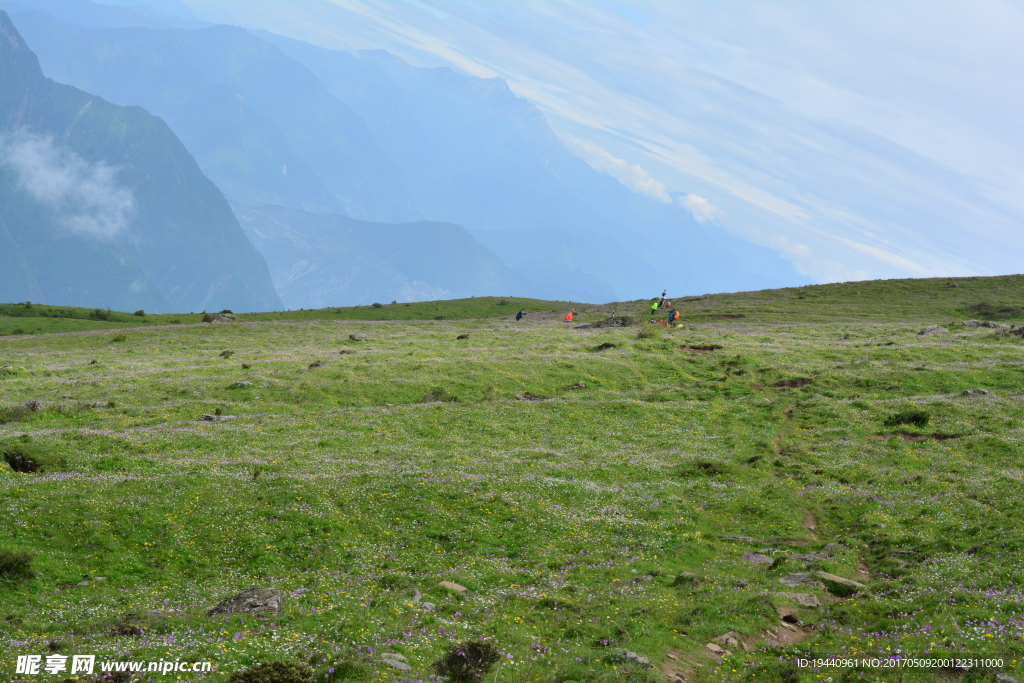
<point x="568" y="317"/>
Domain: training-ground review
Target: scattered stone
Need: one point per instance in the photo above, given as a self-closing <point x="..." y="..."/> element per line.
<point x="624" y="321"/>
<point x="407" y="680"/>
<point x="986" y="323"/>
<point x="527" y="396"/>
<point x="317" y="364"/>
<point x="99" y="578"/>
<point x="802" y="599"/>
<point x="742" y="539"/>
<point x="740" y="583"/>
<point x="577" y="386"/>
<point x="932" y="330"/>
<point x="1018" y="331"/>
<point x="448" y="585"/>
<point x="429" y="606"/>
<point x="252" y="601"/>
<point x="84" y="583"/>
<point x="101" y="404"/>
<point x="810" y="557"/>
<point x="714" y="649"/>
<point x="832" y="578"/>
<point x="977" y="392"/>
<point x="219" y="418"/>
<point x="632" y="658"/>
<point x="226" y="354"/>
<point x="1005" y="678"/>
<point x="463" y="336"/>
<point x="35" y="406"/>
<point x="395" y="664"/>
<point x="417" y="597"/>
<point x="395" y="655"/>
<point x="798" y="579"/>
<point x="222" y="318"/>
<point x="359" y="337"/>
<point x="241" y="384"/>
<point x="730" y="639"/>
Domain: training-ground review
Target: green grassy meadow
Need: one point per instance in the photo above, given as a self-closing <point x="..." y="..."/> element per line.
<point x="652" y="508"/>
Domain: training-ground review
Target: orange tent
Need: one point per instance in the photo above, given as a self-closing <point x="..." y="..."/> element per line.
<point x="567" y="318"/>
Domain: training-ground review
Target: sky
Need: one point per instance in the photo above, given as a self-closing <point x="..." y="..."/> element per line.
<point x="858" y="138"/>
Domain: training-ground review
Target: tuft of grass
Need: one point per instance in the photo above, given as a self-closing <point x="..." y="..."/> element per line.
<point x="467" y="662"/>
<point x="15" y="565"/>
<point x="274" y="672"/>
<point x="917" y="418"/>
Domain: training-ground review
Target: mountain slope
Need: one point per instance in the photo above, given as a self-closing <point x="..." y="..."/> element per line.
<point x="480" y="156"/>
<point x="106" y="206"/>
<point x="319" y="261"/>
<point x="259" y="123"/>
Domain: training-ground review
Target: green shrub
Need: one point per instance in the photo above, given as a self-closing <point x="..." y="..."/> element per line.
<point x="645" y="331"/>
<point x="378" y="305"/>
<point x="917" y="418"/>
<point x="140" y="313"/>
<point x="9" y="414"/>
<point x="274" y="672"/>
<point x="119" y="338"/>
<point x="15" y="566"/>
<point x="467" y="661"/>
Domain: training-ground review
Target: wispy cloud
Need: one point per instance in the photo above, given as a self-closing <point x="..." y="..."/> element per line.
<point x="882" y="136"/>
<point x="86" y="197"/>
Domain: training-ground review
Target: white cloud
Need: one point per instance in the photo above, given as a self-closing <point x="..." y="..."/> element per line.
<point x="703" y="210"/>
<point x="632" y="176"/>
<point x="85" y="196"/>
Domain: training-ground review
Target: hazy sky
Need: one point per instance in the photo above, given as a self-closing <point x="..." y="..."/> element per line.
<point x="859" y="138"/>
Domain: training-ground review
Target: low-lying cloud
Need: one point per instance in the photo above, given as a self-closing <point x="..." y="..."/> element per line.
<point x="703" y="210"/>
<point x="86" y="196"/>
<point x="632" y="176"/>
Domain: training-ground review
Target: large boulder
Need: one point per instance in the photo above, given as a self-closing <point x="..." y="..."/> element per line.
<point x="252" y="601"/>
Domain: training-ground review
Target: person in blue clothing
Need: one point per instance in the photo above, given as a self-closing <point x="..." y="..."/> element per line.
<point x="521" y="314"/>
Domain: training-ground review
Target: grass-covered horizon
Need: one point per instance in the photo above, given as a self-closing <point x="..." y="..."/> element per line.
<point x="596" y="491"/>
<point x="988" y="298"/>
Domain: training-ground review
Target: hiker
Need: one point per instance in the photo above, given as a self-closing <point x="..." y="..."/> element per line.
<point x="612" y="315"/>
<point x="520" y="315"/>
<point x="654" y="307"/>
<point x="672" y="318"/>
<point x="664" y="293"/>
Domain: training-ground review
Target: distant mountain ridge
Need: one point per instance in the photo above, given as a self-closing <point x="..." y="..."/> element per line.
<point x="318" y="260"/>
<point x="101" y="205"/>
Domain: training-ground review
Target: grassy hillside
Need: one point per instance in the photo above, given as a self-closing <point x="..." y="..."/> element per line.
<point x="947" y="300"/>
<point x="594" y="491"/>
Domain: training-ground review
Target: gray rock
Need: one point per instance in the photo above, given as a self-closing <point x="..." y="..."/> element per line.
<point x="359" y="337"/>
<point x="986" y="323"/>
<point x="395" y="655"/>
<point x="1005" y="678"/>
<point x="976" y="392"/>
<point x="802" y="599"/>
<point x="931" y="330"/>
<point x="730" y="639"/>
<point x="252" y="601"/>
<point x="715" y="649"/>
<point x="396" y="664"/>
<point x="799" y="579"/>
<point x="407" y="680"/>
<point x="417" y="596"/>
<point x="429" y="606"/>
<point x="219" y="418"/>
<point x="241" y="384"/>
<point x="832" y="578"/>
<point x="742" y="539"/>
<point x="222" y="318"/>
<point x="632" y="658"/>
<point x="448" y="585"/>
